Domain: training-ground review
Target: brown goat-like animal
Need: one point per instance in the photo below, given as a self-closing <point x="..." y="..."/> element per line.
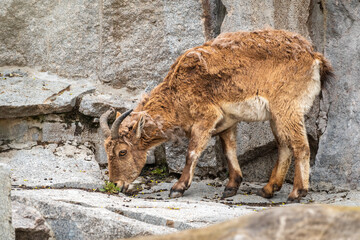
<point x="242" y="76"/>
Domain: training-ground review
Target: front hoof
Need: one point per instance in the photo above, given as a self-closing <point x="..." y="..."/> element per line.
<point x="293" y="200"/>
<point x="176" y="193"/>
<point x="296" y="196"/>
<point x="260" y="192"/>
<point x="229" y="192"/>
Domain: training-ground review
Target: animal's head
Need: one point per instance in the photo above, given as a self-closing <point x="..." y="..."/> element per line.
<point x="126" y="146"/>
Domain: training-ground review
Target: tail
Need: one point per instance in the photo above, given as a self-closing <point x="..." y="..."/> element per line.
<point x="327" y="74"/>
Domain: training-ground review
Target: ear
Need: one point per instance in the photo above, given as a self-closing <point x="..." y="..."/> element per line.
<point x="139" y="126"/>
<point x="118" y="114"/>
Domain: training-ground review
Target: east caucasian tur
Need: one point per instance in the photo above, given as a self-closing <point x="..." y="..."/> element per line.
<point x="263" y="75"/>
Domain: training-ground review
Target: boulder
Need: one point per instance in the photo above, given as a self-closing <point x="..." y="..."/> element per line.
<point x="30" y="224"/>
<point x="65" y="165"/>
<point x="78" y="214"/>
<point x="22" y="96"/>
<point x="338" y="159"/>
<point x="6" y="228"/>
<point x="250" y="15"/>
<point x="98" y="102"/>
<point x="55" y="36"/>
<point x="141" y="39"/>
<point x="297" y="222"/>
<point x="125" y="43"/>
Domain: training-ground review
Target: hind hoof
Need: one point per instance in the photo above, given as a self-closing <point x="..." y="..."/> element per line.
<point x="176" y="193"/>
<point x="260" y="192"/>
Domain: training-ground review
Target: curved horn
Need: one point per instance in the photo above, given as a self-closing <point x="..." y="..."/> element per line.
<point x="104" y="122"/>
<point x="116" y="124"/>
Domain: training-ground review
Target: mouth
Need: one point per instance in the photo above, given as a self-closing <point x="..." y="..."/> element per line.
<point x="122" y="186"/>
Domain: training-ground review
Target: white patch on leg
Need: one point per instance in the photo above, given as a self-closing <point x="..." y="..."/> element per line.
<point x="234" y="161"/>
<point x="284" y="160"/>
<point x="194" y="157"/>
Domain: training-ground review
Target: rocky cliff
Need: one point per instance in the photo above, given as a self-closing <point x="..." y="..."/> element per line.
<point x="63" y="63"/>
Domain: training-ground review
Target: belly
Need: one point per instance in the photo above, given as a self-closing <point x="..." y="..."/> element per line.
<point x="254" y="109"/>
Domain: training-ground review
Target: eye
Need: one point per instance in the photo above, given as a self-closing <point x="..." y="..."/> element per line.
<point x="122" y="153"/>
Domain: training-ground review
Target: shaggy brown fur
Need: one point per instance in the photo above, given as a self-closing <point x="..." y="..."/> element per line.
<point x="243" y="76"/>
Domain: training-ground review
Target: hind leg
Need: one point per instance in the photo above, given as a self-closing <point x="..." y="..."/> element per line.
<point x="301" y="149"/>
<point x="228" y="142"/>
<point x="280" y="170"/>
<point x="291" y="132"/>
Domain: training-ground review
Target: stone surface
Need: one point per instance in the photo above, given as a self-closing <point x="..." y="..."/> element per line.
<point x="250" y="15"/>
<point x="76" y="214"/>
<point x="104" y="97"/>
<point x="141" y="39"/>
<point x="126" y="43"/>
<point x="30" y="224"/>
<point x="31" y="96"/>
<point x="57" y="36"/>
<point x="53" y="129"/>
<point x="211" y="191"/>
<point x="298" y="222"/>
<point x="6" y="228"/>
<point x="53" y="165"/>
<point x="338" y="159"/>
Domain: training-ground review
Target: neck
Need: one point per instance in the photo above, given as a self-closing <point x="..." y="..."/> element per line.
<point x="164" y="122"/>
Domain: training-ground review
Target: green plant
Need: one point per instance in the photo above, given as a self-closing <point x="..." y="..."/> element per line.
<point x="110" y="188"/>
<point x="160" y="171"/>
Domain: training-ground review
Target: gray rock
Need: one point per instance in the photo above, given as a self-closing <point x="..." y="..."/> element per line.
<point x="56" y="36"/>
<point x="297" y="222"/>
<point x="54" y="166"/>
<point x="25" y="96"/>
<point x="250" y="15"/>
<point x="76" y="214"/>
<point x="338" y="159"/>
<point x="100" y="101"/>
<point x="30" y="224"/>
<point x="152" y="214"/>
<point x="139" y="50"/>
<point x="107" y="40"/>
<point x="6" y="228"/>
<point x="25" y="132"/>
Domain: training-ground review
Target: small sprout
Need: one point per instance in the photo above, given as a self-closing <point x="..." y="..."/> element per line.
<point x="110" y="188"/>
<point x="25" y="180"/>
